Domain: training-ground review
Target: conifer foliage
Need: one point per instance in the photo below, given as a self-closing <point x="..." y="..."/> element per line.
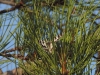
<point x="52" y="37"/>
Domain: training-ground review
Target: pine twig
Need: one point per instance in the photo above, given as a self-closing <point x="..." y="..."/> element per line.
<point x="17" y="6"/>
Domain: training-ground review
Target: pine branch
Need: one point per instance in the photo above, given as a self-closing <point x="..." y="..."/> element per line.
<point x="12" y="49"/>
<point x="12" y="3"/>
<point x="18" y="6"/>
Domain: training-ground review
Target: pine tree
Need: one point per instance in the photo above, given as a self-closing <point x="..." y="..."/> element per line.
<point x="58" y="37"/>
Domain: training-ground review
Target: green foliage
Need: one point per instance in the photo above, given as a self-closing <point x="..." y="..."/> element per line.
<point x="74" y="49"/>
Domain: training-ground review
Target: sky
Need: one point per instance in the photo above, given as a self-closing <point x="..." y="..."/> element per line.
<point x="10" y="66"/>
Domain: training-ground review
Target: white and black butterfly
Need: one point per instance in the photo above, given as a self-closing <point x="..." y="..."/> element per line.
<point x="47" y="45"/>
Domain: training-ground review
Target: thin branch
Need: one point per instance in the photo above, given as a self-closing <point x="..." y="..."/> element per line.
<point x="12" y="49"/>
<point x="19" y="56"/>
<point x="8" y="2"/>
<point x="17" y="6"/>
